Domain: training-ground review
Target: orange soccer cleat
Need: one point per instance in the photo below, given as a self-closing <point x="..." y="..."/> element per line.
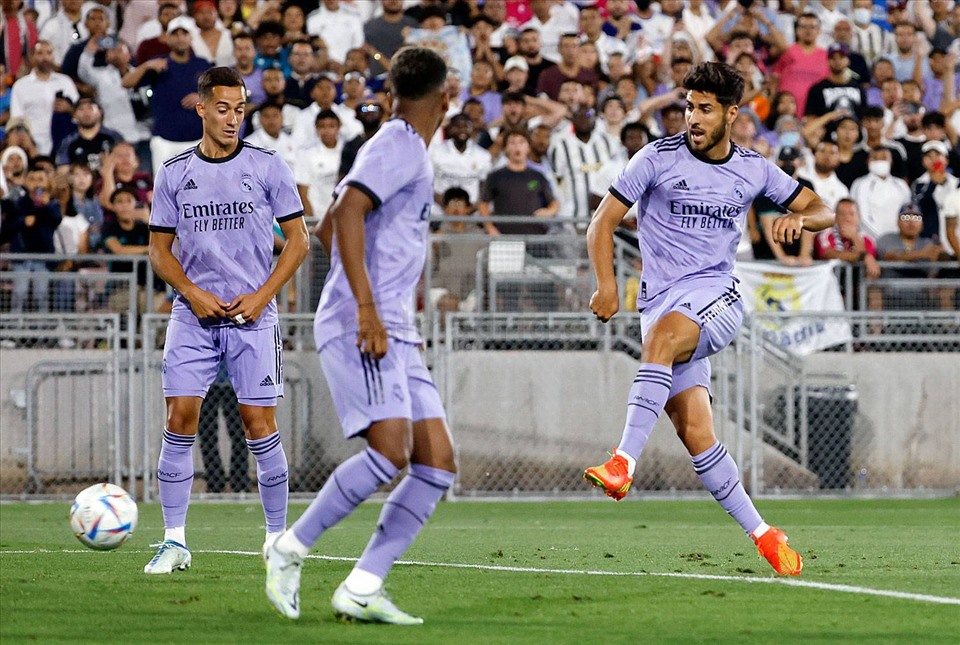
<point x="772" y="545"/>
<point x="613" y="477"/>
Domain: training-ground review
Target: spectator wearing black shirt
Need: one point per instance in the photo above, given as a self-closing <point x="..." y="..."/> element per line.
<point x="91" y="140"/>
<point x="515" y="190"/>
<point x="838" y="91"/>
<point x="370" y="115"/>
<point x="765" y="247"/>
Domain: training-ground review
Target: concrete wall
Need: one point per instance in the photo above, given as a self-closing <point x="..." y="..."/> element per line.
<point x="527" y="418"/>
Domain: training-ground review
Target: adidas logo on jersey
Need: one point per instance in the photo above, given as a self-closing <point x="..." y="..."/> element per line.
<point x="685" y="305"/>
<point x="191" y="185"/>
<point x="681" y="185"/>
<point x="267" y="382"/>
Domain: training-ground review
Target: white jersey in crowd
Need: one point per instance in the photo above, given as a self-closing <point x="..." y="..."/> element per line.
<point x="305" y="128"/>
<point x="454" y="168"/>
<point x="879" y="200"/>
<point x="830" y="189"/>
<point x="950" y="216"/>
<point x="576" y="164"/>
<point x="284" y="144"/>
<point x="32" y="99"/>
<point x="113" y="99"/>
<point x="318" y="168"/>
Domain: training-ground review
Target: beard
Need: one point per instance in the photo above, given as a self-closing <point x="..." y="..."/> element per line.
<point x="711" y="139"/>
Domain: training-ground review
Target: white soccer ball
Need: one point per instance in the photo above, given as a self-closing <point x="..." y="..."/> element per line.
<point x="103" y="516"/>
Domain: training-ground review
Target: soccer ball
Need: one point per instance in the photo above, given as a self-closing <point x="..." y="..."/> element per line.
<point x="103" y="516"/>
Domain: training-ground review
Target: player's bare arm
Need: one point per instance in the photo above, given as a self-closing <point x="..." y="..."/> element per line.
<point x="808" y="213"/>
<point x="203" y="303"/>
<point x="605" y="301"/>
<point x="251" y="305"/>
<point x="347" y="217"/>
<point x="323" y="230"/>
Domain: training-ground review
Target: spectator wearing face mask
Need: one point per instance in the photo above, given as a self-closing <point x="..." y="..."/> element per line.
<point x="879" y="194"/>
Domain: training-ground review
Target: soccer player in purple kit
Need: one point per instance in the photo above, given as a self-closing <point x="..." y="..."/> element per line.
<point x="377" y="234"/>
<point x="219" y="201"/>
<point x="693" y="189"/>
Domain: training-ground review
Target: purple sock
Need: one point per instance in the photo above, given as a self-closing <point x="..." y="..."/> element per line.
<point x="352" y="482"/>
<point x="405" y="512"/>
<point x="271" y="480"/>
<point x="175" y="477"/>
<point x="648" y="395"/>
<point x="719" y="474"/>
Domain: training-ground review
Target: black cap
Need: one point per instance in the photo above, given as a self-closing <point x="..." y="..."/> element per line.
<point x="789" y="153"/>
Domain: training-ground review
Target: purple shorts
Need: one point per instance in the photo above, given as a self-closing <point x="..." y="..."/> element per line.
<point x="716" y="306"/>
<point x="253" y="358"/>
<point x="364" y="390"/>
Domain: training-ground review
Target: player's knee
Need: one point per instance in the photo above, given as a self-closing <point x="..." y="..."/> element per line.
<point x="398" y="455"/>
<point x="661" y="346"/>
<point x="259" y="430"/>
<point x="181" y="421"/>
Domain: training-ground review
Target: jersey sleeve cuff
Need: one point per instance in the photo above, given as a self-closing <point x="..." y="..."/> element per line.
<point x="366" y="190"/>
<point x="287" y="218"/>
<point x="616" y="193"/>
<point x="156" y="228"/>
<point x="793" y="196"/>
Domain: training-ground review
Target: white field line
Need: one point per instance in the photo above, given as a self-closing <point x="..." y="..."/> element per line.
<point x="790" y="582"/>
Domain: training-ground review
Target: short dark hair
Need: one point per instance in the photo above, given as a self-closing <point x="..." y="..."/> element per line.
<point x="119" y="191"/>
<point x="416" y="72"/>
<point x="630" y="127"/>
<point x="269" y="27"/>
<point x="270" y="105"/>
<point x="719" y="79"/>
<point x="326" y="114"/>
<point x="218" y="77"/>
<point x="516" y="133"/>
<point x="872" y="112"/>
<point x="514" y="97"/>
<point x="455" y="193"/>
<point x="933" y="118"/>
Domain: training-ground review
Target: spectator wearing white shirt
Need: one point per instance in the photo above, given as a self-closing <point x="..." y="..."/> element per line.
<point x="951" y="224"/>
<point x="458" y="161"/>
<point x="698" y="21"/>
<point x="576" y="159"/>
<point x="318" y="165"/>
<point x="273" y="83"/>
<point x="64" y="29"/>
<point x="552" y="19"/>
<point x="341" y="30"/>
<point x="591" y="30"/>
<point x="114" y="99"/>
<point x="868" y="38"/>
<point x="879" y="195"/>
<point x="323" y="93"/>
<point x="211" y="41"/>
<point x="271" y="135"/>
<point x="36" y="96"/>
<point x="822" y="173"/>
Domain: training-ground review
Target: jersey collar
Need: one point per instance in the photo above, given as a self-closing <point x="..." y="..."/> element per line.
<point x="715" y="162"/>
<point x="230" y="156"/>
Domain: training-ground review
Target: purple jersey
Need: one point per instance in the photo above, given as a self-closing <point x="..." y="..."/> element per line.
<point x="394" y="171"/>
<point x="222" y="212"/>
<point x="692" y="210"/>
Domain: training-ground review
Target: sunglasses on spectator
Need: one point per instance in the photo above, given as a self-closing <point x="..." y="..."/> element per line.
<point x="370" y="107"/>
<point x="911" y="218"/>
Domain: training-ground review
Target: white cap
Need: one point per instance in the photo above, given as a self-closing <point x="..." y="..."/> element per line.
<point x="180" y="22"/>
<point x="93" y="6"/>
<point x="516" y="62"/>
<point x="939" y="146"/>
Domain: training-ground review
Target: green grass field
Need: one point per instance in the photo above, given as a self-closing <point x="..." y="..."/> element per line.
<point x="876" y="572"/>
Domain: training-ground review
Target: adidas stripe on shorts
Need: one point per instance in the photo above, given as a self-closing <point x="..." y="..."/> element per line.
<point x="713" y="303"/>
<point x="253" y="359"/>
<point x="365" y="390"/>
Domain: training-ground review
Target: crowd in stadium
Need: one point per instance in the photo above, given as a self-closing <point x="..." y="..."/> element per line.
<point x="858" y="99"/>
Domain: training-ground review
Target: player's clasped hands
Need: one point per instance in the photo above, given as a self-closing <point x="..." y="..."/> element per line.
<point x="605" y="303"/>
<point x="205" y="305"/>
<point x="787" y="229"/>
<point x="371" y="334"/>
<point x="245" y="308"/>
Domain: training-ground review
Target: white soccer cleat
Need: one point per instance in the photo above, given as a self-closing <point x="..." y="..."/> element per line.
<point x="373" y="608"/>
<point x="268" y="542"/>
<point x="283" y="580"/>
<point x="170" y="555"/>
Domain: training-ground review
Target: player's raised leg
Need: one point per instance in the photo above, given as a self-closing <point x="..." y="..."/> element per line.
<point x="673" y="338"/>
<point x="175" y="479"/>
<point x="690" y="413"/>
